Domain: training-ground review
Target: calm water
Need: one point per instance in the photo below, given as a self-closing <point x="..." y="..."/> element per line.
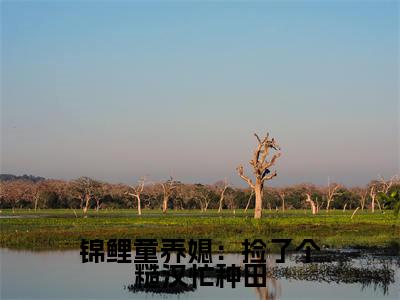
<point x="61" y="275"/>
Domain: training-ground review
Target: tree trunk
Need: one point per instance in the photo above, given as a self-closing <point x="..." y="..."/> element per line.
<point x="313" y="207"/>
<point x="248" y="202"/>
<point x="201" y="206"/>
<point x="379" y="204"/>
<point x="373" y="204"/>
<point x="85" y="209"/>
<point x="247" y="206"/>
<point x="221" y="200"/>
<point x="261" y="166"/>
<point x="258" y="191"/>
<point x="354" y="212"/>
<point x="139" y="206"/>
<point x="165" y="204"/>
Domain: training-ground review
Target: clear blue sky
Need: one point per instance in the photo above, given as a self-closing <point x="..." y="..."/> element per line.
<point x="117" y="90"/>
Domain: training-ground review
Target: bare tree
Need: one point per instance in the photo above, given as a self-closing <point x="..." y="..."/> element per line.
<point x="354" y="212"/>
<point x="206" y="199"/>
<point x="317" y="205"/>
<point x="313" y="206"/>
<point x="222" y="188"/>
<point x="85" y="188"/>
<point x="230" y="200"/>
<point x="248" y="201"/>
<point x="36" y="196"/>
<point x="386" y="185"/>
<point x="137" y="191"/>
<point x="204" y="196"/>
<point x="168" y="187"/>
<point x="331" y="192"/>
<point x="261" y="171"/>
<point x="363" y="198"/>
<point x="362" y="194"/>
<point x="376" y="187"/>
<point x="103" y="190"/>
<point x="372" y="194"/>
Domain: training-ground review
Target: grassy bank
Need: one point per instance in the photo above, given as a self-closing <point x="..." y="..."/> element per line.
<point x="63" y="229"/>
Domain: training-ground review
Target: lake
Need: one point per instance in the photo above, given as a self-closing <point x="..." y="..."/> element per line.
<point x="62" y="275"/>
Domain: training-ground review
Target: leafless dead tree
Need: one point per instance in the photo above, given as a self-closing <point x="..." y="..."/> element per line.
<point x="204" y="201"/>
<point x="363" y="194"/>
<point x="354" y="212"/>
<point x="377" y="187"/>
<point x="386" y="185"/>
<point x="85" y="189"/>
<point x="248" y="201"/>
<point x="203" y="195"/>
<point x="222" y="190"/>
<point x="168" y="187"/>
<point x="137" y="191"/>
<point x="331" y="192"/>
<point x="372" y="194"/>
<point x="317" y="205"/>
<point x="261" y="170"/>
<point x="313" y="206"/>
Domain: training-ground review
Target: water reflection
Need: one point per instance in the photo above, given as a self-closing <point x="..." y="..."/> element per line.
<point x="347" y="267"/>
<point x="61" y="275"/>
<point x="271" y="292"/>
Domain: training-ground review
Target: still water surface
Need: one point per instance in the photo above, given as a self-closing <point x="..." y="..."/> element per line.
<point x="61" y="275"/>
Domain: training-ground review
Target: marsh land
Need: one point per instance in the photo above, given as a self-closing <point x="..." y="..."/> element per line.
<point x="46" y="229"/>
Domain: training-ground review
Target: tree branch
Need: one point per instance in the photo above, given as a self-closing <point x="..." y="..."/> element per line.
<point x="269" y="177"/>
<point x="266" y="165"/>
<point x="244" y="177"/>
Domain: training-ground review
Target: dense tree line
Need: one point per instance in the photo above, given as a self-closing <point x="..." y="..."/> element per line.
<point x="6" y="177"/>
<point x="86" y="193"/>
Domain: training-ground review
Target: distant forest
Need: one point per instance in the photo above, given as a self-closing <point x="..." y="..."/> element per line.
<point x="34" y="192"/>
<point x="6" y="177"/>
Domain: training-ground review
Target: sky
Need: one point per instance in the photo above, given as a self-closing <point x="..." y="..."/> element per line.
<point x="116" y="90"/>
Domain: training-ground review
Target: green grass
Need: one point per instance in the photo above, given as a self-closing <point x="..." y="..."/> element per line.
<point x="61" y="229"/>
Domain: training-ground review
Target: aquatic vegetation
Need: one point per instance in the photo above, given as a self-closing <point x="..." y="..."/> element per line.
<point x="55" y="229"/>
